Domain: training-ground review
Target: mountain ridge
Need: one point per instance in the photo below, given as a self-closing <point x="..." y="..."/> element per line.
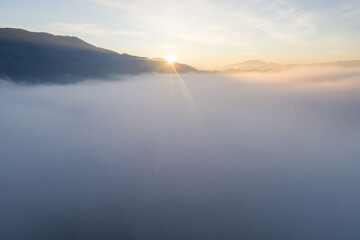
<point x="38" y="57"/>
<point x="261" y="66"/>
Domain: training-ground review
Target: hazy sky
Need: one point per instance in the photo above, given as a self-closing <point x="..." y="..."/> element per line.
<point x="203" y="33"/>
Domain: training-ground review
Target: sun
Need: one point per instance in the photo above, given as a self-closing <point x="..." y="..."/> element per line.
<point x="170" y="59"/>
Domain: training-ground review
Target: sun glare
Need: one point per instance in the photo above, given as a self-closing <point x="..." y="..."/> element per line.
<point x="170" y="59"/>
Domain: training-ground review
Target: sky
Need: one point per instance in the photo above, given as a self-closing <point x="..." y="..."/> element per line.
<point x="205" y="33"/>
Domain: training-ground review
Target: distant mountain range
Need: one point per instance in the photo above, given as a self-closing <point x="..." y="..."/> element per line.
<point x="33" y="57"/>
<point x="260" y="66"/>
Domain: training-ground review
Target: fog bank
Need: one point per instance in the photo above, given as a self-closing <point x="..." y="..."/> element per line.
<point x="250" y="156"/>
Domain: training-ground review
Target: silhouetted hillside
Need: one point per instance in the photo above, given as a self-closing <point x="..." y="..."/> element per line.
<point x="45" y="58"/>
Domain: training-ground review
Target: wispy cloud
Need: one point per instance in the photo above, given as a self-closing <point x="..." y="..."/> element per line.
<point x="289" y="28"/>
<point x="215" y="22"/>
<point x="87" y="28"/>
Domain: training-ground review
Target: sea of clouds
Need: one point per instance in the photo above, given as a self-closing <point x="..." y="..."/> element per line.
<point x="196" y="156"/>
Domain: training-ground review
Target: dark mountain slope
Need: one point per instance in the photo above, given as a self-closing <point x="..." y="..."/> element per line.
<point x="42" y="57"/>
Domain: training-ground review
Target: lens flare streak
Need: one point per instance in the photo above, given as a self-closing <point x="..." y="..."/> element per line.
<point x="188" y="97"/>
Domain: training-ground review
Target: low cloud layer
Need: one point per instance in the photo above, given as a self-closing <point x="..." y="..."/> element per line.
<point x="251" y="156"/>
